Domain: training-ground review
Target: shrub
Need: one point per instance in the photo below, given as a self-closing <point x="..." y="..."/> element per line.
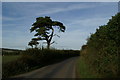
<point x="102" y="51"/>
<point x="36" y="58"/>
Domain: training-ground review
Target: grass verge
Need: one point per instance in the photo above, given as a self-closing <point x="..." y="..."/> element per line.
<point x="83" y="70"/>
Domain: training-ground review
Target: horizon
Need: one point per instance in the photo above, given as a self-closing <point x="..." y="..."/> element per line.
<point x="17" y="18"/>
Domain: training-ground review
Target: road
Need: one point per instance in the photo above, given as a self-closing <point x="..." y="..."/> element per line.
<point x="64" y="69"/>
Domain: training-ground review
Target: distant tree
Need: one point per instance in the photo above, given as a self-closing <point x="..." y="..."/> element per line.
<point x="33" y="43"/>
<point x="44" y="28"/>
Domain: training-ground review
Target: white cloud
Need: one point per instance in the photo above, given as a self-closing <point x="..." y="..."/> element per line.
<point x="31" y="10"/>
<point x="45" y="8"/>
<point x="92" y="23"/>
<point x="52" y="10"/>
<point x="16" y="39"/>
<point x="5" y="18"/>
<point x="37" y="9"/>
<point x="71" y="39"/>
<point x="76" y="37"/>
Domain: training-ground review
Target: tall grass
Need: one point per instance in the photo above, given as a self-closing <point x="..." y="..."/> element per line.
<point x="84" y="70"/>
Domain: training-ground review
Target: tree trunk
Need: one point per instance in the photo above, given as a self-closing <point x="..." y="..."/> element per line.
<point x="48" y="41"/>
<point x="48" y="45"/>
<point x="35" y="46"/>
<point x="32" y="46"/>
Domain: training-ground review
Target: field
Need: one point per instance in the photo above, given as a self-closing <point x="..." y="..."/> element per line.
<point x="9" y="58"/>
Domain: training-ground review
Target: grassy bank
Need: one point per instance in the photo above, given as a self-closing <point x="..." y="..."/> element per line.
<point x="83" y="69"/>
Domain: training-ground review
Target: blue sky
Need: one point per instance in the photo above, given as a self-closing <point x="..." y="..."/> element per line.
<point x="80" y="19"/>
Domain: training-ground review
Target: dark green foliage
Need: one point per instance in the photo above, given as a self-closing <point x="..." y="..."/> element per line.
<point x="11" y="53"/>
<point x="44" y="28"/>
<point x="103" y="48"/>
<point x="33" y="42"/>
<point x="6" y="51"/>
<point x="36" y="58"/>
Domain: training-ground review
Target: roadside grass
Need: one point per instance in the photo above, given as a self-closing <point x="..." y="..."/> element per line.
<point x="0" y="59"/>
<point x="83" y="70"/>
<point x="9" y="58"/>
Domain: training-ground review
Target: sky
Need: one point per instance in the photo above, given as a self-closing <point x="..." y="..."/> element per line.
<point x="80" y="18"/>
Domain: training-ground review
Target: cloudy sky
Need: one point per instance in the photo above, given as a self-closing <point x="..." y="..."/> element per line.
<point x="80" y="18"/>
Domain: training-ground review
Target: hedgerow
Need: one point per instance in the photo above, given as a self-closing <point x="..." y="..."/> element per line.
<point x="102" y="50"/>
<point x="35" y="58"/>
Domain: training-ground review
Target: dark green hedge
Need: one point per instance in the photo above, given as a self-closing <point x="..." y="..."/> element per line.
<point x="103" y="48"/>
<point x="36" y="58"/>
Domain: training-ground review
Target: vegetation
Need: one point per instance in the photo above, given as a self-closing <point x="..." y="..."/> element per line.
<point x="44" y="28"/>
<point x="11" y="53"/>
<point x="0" y="59"/>
<point x="83" y="70"/>
<point x="102" y="50"/>
<point x="35" y="58"/>
<point x="6" y="51"/>
<point x="33" y="42"/>
<point x="9" y="58"/>
<point x="100" y="56"/>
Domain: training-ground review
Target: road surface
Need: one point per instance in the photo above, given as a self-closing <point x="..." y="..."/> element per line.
<point x="64" y="69"/>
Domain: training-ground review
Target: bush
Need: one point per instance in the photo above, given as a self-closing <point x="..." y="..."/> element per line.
<point x="11" y="53"/>
<point x="102" y="49"/>
<point x="36" y="58"/>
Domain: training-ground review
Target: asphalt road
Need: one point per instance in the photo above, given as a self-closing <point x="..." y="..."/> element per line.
<point x="64" y="69"/>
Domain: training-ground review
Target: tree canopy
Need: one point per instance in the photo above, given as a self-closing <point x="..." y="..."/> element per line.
<point x="44" y="28"/>
<point x="33" y="42"/>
